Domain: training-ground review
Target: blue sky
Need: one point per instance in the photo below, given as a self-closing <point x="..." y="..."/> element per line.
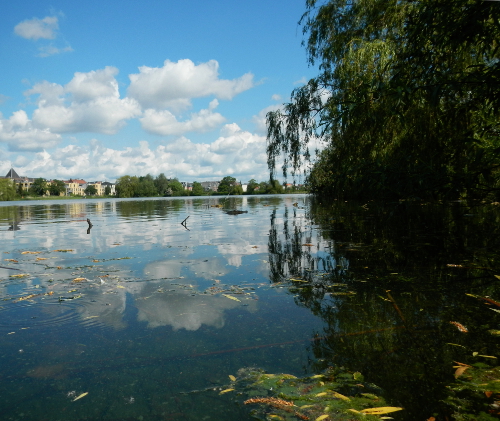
<point x="100" y="89"/>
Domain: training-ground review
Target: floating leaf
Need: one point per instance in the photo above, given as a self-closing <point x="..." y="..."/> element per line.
<point x="371" y="396"/>
<point x="79" y="279"/>
<point x="449" y="343"/>
<point x="460" y="327"/>
<point x="81" y="396"/>
<point x="20" y="275"/>
<point x="231" y="297"/>
<point x="381" y="410"/>
<point x="340" y="396"/>
<point x="233" y="379"/>
<point x="460" y="370"/>
<point x="225" y="391"/>
<point x="30" y="252"/>
<point x="11" y="260"/>
<point x="62" y="250"/>
<point x="358" y="376"/>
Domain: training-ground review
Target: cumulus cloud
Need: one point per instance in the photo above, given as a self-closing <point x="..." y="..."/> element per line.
<point x="20" y="134"/>
<point x="175" y="84"/>
<point x="90" y="102"/>
<point x="38" y="28"/>
<point x="234" y="152"/>
<point x="43" y="29"/>
<point x="165" y="123"/>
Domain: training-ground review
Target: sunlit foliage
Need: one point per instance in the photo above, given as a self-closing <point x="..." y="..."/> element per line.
<point x="406" y="101"/>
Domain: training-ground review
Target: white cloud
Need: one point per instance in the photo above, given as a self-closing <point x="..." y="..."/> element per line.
<point x="165" y="123"/>
<point x="94" y="104"/>
<point x="175" y="84"/>
<point x="234" y="152"/>
<point x="44" y="29"/>
<point x="50" y="50"/>
<point x="38" y="28"/>
<point x="21" y="135"/>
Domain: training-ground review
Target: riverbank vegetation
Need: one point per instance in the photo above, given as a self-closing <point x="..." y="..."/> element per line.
<point x="147" y="186"/>
<point x="405" y="105"/>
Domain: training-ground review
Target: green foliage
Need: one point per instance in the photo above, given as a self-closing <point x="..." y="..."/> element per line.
<point x="161" y="184"/>
<point x="252" y="184"/>
<point x="175" y="188"/>
<point x="90" y="190"/>
<point x="226" y="185"/>
<point x="406" y="101"/>
<point x="39" y="187"/>
<point x="146" y="187"/>
<point x="125" y="186"/>
<point x="107" y="190"/>
<point x="7" y="189"/>
<point x="197" y="189"/>
<point x="57" y="187"/>
<point x="274" y="187"/>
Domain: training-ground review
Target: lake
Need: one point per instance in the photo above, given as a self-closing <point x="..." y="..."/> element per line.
<point x="175" y="308"/>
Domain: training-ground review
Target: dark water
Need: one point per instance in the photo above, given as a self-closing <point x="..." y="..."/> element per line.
<point x="149" y="316"/>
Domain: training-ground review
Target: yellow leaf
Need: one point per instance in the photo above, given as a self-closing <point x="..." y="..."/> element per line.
<point x="354" y="411"/>
<point x="321" y="394"/>
<point x="317" y="376"/>
<point x="225" y="391"/>
<point x="486" y="356"/>
<point x="81" y="396"/>
<point x="340" y="396"/>
<point x="79" y="279"/>
<point x="231" y="297"/>
<point x="497" y="276"/>
<point x="233" y="379"/>
<point x="120" y="286"/>
<point x="460" y="371"/>
<point x="306" y="406"/>
<point x="381" y="410"/>
<point x="322" y="417"/>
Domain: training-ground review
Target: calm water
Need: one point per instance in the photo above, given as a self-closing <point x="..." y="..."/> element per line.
<point x="149" y="316"/>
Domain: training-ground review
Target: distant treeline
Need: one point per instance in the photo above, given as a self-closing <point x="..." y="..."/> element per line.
<point x="147" y="186"/>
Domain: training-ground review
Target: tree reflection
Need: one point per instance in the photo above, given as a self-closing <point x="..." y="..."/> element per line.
<point x="387" y="281"/>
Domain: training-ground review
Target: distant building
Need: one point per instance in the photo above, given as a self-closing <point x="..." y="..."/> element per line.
<point x="75" y="187"/>
<point x="24" y="181"/>
<point x="210" y="185"/>
<point x="112" y="186"/>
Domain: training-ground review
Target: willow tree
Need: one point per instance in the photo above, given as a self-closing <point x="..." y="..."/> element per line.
<point x="395" y="104"/>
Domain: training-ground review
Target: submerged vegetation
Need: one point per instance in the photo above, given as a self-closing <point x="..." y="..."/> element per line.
<point x="406" y="103"/>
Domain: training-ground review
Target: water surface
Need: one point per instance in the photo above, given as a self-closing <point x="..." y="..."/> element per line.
<point x="151" y="310"/>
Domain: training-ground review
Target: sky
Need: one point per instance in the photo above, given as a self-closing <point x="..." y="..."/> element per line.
<point x="101" y="89"/>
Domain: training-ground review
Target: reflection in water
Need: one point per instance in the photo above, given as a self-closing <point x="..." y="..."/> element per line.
<point x="145" y="308"/>
<point x="387" y="281"/>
